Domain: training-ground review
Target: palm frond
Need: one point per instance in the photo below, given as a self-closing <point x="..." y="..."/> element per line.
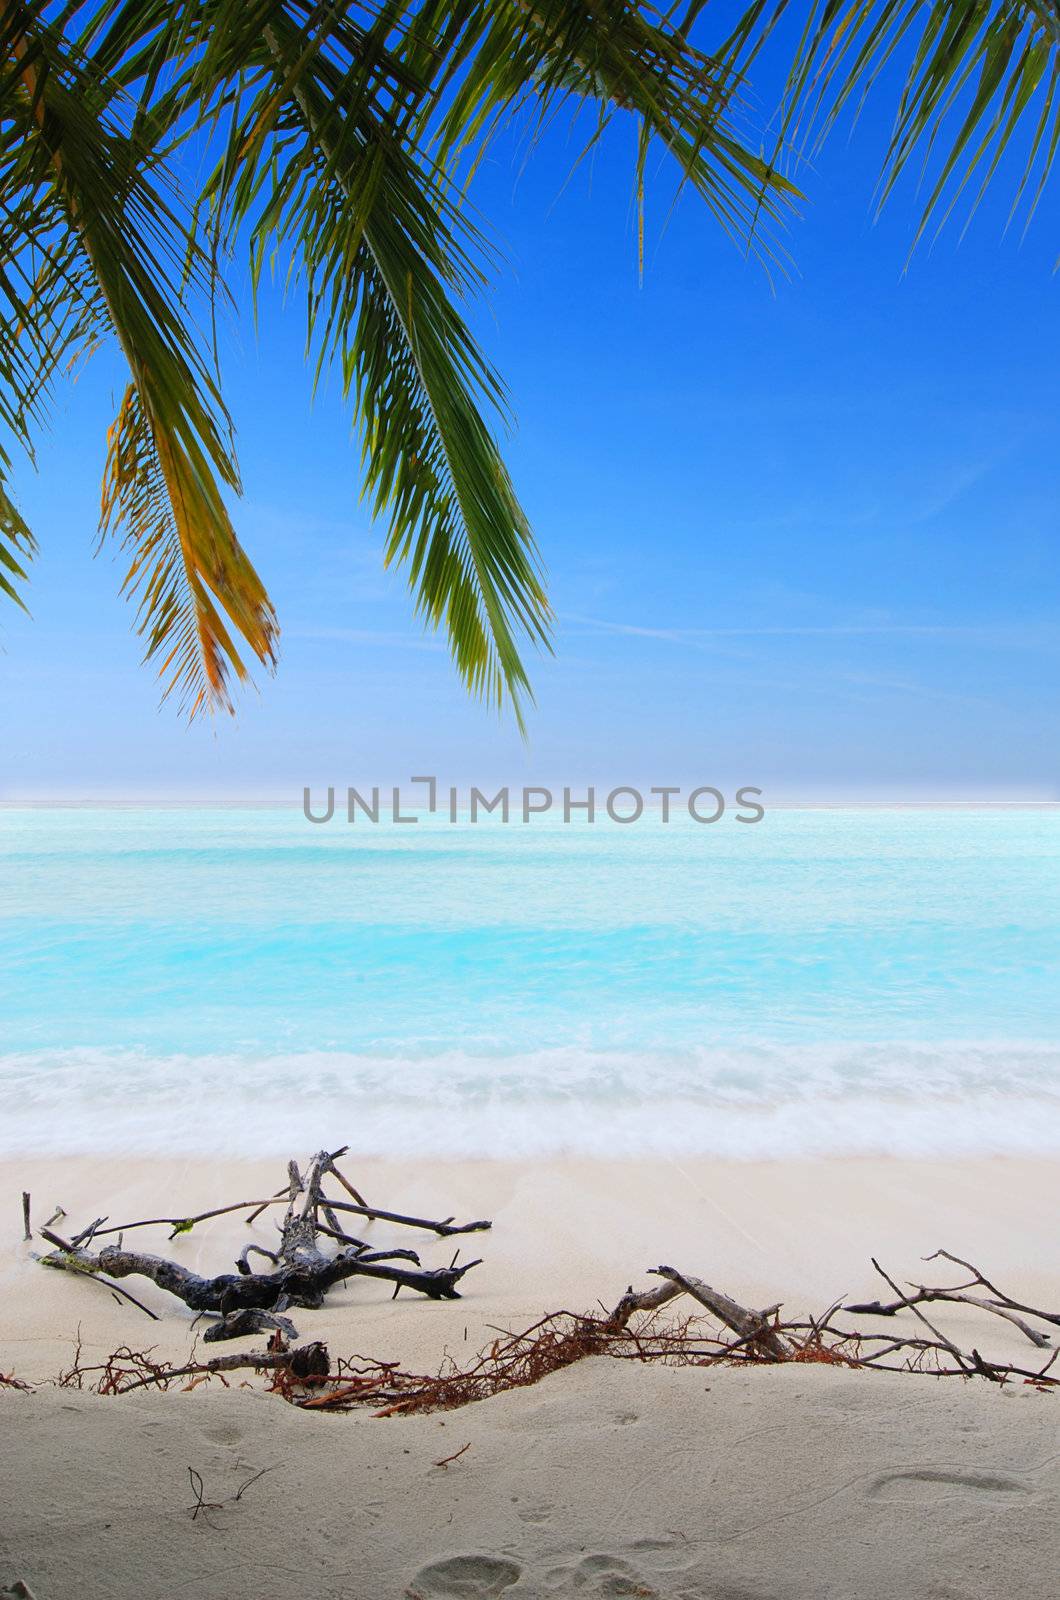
<point x="346" y="127"/>
<point x="623" y="58"/>
<point x="49" y="311"/>
<point x="350" y="135"/>
<point x="17" y="546"/>
<point x="120" y="260"/>
<point x="383" y="251"/>
<point x="976" y="78"/>
<point x="183" y="578"/>
<point x="433" y="468"/>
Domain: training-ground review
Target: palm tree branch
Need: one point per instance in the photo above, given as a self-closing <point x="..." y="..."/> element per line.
<point x="133" y="247"/>
<point x="379" y="244"/>
<point x="17" y="546"/>
<point x="974" y="74"/>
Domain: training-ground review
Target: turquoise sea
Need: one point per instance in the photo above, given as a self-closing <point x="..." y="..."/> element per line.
<point x="240" y="980"/>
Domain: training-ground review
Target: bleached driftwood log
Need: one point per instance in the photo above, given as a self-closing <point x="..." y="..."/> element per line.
<point x="753" y="1327"/>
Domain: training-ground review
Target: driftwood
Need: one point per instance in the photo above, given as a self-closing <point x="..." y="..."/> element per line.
<point x="646" y="1300"/>
<point x="632" y="1331"/>
<point x="1001" y="1305"/>
<point x="302" y="1271"/>
<point x="74" y="1260"/>
<point x="753" y="1326"/>
<point x="323" y="1166"/>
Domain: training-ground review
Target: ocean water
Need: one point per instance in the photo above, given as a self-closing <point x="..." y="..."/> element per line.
<point x="240" y="981"/>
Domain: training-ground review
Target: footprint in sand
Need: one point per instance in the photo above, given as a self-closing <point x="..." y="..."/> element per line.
<point x="222" y="1432"/>
<point x="464" y="1578"/>
<point x="917" y="1483"/>
<point x="601" y="1577"/>
<point x="672" y="1574"/>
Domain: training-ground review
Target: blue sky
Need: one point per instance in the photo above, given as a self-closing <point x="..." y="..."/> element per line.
<point x="806" y="540"/>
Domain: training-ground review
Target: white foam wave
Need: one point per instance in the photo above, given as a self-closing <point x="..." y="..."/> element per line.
<point x="758" y="1101"/>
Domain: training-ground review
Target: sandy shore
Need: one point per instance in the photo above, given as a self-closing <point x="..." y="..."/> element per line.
<point x="605" y="1480"/>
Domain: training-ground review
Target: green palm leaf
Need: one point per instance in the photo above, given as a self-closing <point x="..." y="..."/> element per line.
<point x="115" y="252"/>
<point x="17" y="545"/>
<point x="350" y="135"/>
<point x="623" y="59"/>
<point x="383" y="251"/>
<point x="975" y="77"/>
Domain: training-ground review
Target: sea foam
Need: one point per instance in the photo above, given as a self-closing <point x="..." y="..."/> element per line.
<point x="758" y="1102"/>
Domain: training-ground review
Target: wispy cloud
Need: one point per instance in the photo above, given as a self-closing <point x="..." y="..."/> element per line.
<point x="1034" y="636"/>
<point x="955" y="484"/>
<point x="907" y="686"/>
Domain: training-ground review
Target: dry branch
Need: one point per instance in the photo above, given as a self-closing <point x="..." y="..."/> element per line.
<point x="444" y="1230"/>
<point x="302" y="1271"/>
<point x="753" y="1326"/>
<point x="646" y="1300"/>
<point x="961" y="1360"/>
<point x="71" y="1259"/>
<point x="923" y="1296"/>
<point x="1001" y="1299"/>
<point x="294" y="1283"/>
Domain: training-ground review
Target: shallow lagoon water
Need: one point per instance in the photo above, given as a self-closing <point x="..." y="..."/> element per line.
<point x="824" y="981"/>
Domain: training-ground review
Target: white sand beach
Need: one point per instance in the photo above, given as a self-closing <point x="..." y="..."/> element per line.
<point x="605" y="1479"/>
